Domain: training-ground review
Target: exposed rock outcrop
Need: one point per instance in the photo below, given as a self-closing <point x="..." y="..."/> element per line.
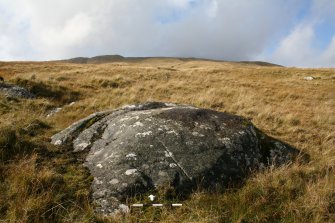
<point x="15" y="91"/>
<point x="141" y="147"/>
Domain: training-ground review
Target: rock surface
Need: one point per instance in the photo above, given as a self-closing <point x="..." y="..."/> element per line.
<point x="53" y="112"/>
<point x="140" y="147"/>
<point x="15" y="91"/>
<point x="309" y="78"/>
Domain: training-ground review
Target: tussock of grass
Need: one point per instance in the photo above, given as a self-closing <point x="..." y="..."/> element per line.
<point x="12" y="145"/>
<point x="43" y="183"/>
<point x="115" y="82"/>
<point x="32" y="192"/>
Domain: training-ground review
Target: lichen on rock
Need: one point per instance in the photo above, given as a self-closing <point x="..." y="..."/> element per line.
<point x="15" y="91"/>
<point x="140" y="147"/>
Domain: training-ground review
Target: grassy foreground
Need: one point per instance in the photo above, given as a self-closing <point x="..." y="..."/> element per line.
<point x="43" y="183"/>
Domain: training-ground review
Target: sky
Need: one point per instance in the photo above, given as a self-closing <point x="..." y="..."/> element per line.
<point x="298" y="33"/>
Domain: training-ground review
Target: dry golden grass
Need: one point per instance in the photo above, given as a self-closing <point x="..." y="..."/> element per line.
<point x="277" y="100"/>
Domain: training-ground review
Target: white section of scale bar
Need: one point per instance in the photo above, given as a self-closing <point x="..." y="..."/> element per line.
<point x="157" y="205"/>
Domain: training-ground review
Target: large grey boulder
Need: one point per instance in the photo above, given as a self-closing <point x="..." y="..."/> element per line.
<point x="11" y="90"/>
<point x="138" y="148"/>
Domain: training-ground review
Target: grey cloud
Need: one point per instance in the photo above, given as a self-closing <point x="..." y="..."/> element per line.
<point x="220" y="29"/>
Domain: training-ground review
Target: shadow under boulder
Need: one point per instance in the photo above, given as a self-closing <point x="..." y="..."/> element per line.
<point x="138" y="148"/>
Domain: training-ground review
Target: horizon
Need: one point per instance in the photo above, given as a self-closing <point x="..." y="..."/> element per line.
<point x="290" y="33"/>
<point x="150" y="57"/>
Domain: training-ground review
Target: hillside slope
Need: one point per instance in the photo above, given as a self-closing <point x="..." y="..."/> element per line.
<point x="118" y="58"/>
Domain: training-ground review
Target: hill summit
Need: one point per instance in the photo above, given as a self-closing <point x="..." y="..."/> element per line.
<point x="118" y="58"/>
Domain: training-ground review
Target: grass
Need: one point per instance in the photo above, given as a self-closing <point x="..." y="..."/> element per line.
<point x="43" y="183"/>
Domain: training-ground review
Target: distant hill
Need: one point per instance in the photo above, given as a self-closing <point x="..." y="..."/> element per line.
<point x="261" y="63"/>
<point x="97" y="59"/>
<point x="118" y="58"/>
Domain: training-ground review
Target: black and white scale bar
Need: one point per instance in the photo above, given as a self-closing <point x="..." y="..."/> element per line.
<point x="155" y="205"/>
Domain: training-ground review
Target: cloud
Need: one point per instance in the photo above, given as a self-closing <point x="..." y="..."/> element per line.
<point x="218" y="29"/>
<point x="299" y="47"/>
<point x="296" y="47"/>
<point x="328" y="56"/>
<point x="72" y="34"/>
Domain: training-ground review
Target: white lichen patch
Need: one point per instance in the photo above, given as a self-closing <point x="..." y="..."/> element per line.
<point x="166" y="127"/>
<point x="205" y="127"/>
<point x="170" y="104"/>
<point x="138" y="124"/>
<point x="123" y="119"/>
<point x="83" y="145"/>
<point x="124" y="208"/>
<point x="225" y="139"/>
<point x="131" y="156"/>
<point x="169" y="108"/>
<point x="172" y="165"/>
<point x="144" y="112"/>
<point x="58" y="142"/>
<point x="97" y="181"/>
<point x="168" y="154"/>
<point x="129" y="107"/>
<point x="197" y="134"/>
<point x="130" y="172"/>
<point x="109" y="156"/>
<point x="172" y="132"/>
<point x="114" y="181"/>
<point x="97" y="152"/>
<point x="143" y="134"/>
